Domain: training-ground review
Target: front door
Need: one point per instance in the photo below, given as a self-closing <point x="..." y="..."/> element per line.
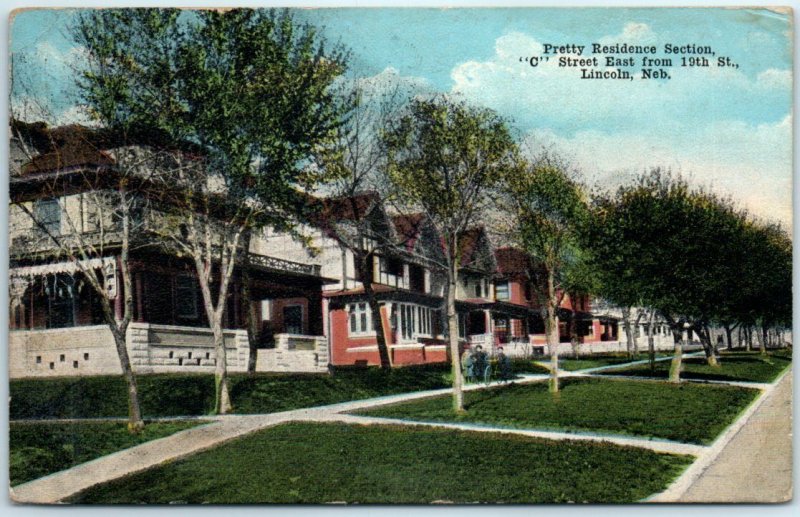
<point x="293" y="319"/>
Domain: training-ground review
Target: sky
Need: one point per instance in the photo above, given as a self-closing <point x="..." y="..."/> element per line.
<point x="729" y="129"/>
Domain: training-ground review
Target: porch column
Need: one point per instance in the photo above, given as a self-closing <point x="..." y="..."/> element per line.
<point x="137" y="277"/>
<point x="17" y="293"/>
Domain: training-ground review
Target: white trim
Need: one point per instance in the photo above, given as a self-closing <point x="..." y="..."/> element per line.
<point x="407" y="346"/>
<point x="352" y="308"/>
<point x="61" y="267"/>
<point x="435" y="347"/>
<point x="366" y="348"/>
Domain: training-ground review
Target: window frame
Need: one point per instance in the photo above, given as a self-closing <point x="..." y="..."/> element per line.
<point x="355" y="312"/>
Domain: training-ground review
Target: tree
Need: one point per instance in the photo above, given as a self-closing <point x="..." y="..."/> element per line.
<point x="676" y="250"/>
<point x="444" y="157"/>
<point x="248" y="91"/>
<point x="546" y="208"/>
<point x="355" y="164"/>
<point x="98" y="205"/>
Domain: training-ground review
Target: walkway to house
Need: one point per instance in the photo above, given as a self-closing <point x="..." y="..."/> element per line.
<point x="61" y="485"/>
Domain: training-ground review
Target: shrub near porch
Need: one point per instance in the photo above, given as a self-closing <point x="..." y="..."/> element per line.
<point x="686" y="412"/>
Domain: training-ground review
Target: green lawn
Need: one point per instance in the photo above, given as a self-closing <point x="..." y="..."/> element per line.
<point x="737" y="366"/>
<point x="36" y="450"/>
<point x="193" y="394"/>
<point x="582" y="363"/>
<point x="685" y="412"/>
<point x="318" y="463"/>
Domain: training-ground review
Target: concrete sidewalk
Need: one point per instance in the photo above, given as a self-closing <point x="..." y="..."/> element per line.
<point x="756" y="465"/>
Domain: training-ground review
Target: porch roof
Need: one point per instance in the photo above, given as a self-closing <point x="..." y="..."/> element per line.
<point x="385" y="294"/>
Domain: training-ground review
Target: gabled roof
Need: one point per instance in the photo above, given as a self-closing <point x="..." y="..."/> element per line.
<point x="348" y="208"/>
<point x="512" y="261"/>
<point x="475" y="249"/>
<point x="409" y="229"/>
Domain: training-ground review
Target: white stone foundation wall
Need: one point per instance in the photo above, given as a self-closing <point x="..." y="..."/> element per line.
<point x="294" y="353"/>
<point x="62" y="352"/>
<point x="152" y="349"/>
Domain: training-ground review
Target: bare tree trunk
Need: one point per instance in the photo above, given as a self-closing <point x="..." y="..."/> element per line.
<point x="729" y="335"/>
<point x="551" y="327"/>
<point x="749" y="338"/>
<point x="651" y="345"/>
<point x="364" y="261"/>
<point x="708" y="346"/>
<point x="452" y="326"/>
<point x="762" y="345"/>
<point x="222" y="399"/>
<point x="677" y="359"/>
<point x="135" y="422"/>
<point x="574" y="338"/>
<point x="249" y="321"/>
<point x="626" y="324"/>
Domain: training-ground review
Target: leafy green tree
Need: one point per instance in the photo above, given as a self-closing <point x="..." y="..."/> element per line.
<point x="444" y="158"/>
<point x="665" y="246"/>
<point x="247" y="92"/>
<point x="547" y="208"/>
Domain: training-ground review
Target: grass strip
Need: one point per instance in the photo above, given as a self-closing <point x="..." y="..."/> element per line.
<point x="685" y="412"/>
<point x="324" y="463"/>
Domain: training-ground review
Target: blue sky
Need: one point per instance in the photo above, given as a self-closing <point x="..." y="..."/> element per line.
<point x="730" y="129"/>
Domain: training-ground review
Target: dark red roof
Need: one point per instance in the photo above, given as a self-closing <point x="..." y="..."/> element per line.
<point x="64" y="147"/>
<point x="468" y="244"/>
<point x="408" y="228"/>
<point x="512" y="261"/>
<point x="348" y="208"/>
<point x="75" y="145"/>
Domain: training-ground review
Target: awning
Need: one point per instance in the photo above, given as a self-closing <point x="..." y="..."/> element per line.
<point x="70" y="267"/>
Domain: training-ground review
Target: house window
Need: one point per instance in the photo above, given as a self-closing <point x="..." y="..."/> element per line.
<point x="478" y="289"/>
<point x="293" y="319"/>
<point x="502" y="291"/>
<point x="414" y="321"/>
<point x="48" y="214"/>
<point x="186" y="297"/>
<point x="416" y="278"/>
<point x="360" y="319"/>
<point x="392" y="272"/>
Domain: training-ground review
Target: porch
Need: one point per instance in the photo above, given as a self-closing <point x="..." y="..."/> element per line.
<point x="57" y="325"/>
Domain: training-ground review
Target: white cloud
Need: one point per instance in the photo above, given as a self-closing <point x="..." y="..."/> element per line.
<point x="722" y="127"/>
<point x="633" y="33"/>
<point x="750" y="163"/>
